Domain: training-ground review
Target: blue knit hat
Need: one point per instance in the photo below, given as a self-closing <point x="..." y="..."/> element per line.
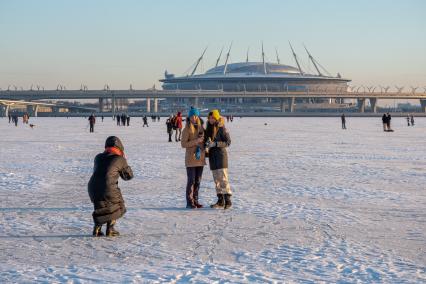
<point x="193" y="111"/>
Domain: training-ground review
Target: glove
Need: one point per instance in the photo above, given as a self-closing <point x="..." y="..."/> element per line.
<point x="212" y="145"/>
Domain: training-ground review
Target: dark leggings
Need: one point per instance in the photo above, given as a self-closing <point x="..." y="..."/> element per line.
<point x="194" y="175"/>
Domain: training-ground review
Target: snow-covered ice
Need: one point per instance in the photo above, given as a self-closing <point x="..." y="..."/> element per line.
<point x="312" y="203"/>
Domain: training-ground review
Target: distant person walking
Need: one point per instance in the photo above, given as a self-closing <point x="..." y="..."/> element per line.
<point x="103" y="188"/>
<point x="178" y="124"/>
<point x="102" y="117"/>
<point x="128" y="120"/>
<point x="384" y="121"/>
<point x="169" y="125"/>
<point x="412" y="120"/>
<point x="123" y="119"/>
<point x="173" y="121"/>
<point x="10" y="117"/>
<point x="118" y="119"/>
<point x="92" y="121"/>
<point x="145" y="121"/>
<point x="193" y="142"/>
<point x="15" y="119"/>
<point x="388" y="121"/>
<point x="25" y="118"/>
<point x="217" y="139"/>
<point x="408" y="120"/>
<point x="343" y="118"/>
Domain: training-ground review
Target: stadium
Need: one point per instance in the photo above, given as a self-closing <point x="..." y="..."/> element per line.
<point x="255" y="76"/>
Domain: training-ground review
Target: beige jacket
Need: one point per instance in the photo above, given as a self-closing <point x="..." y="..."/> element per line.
<point x="190" y="134"/>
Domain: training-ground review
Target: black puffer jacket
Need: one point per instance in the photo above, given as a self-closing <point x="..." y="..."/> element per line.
<point x="218" y="157"/>
<point x="103" y="185"/>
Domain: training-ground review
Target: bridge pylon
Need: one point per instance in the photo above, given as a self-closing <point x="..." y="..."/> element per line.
<point x="373" y="104"/>
<point x="113" y="103"/>
<point x="32" y="110"/>
<point x="291" y="104"/>
<point x="101" y="105"/>
<point x="155" y="105"/>
<point x="4" y="110"/>
<point x="282" y="105"/>
<point x="148" y="105"/>
<point x="361" y="105"/>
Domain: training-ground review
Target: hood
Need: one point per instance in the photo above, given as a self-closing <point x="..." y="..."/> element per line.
<point x="114" y="141"/>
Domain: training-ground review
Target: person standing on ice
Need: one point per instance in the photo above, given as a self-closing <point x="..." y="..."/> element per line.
<point x="178" y="124"/>
<point x="15" y="120"/>
<point x="145" y="121"/>
<point x="217" y="139"/>
<point x="384" y="121"/>
<point x="193" y="141"/>
<point x="169" y="125"/>
<point x="92" y="121"/>
<point x="343" y="118"/>
<point x="412" y="120"/>
<point x="103" y="186"/>
<point x="173" y="121"/>
<point x="123" y="119"/>
<point x="388" y="121"/>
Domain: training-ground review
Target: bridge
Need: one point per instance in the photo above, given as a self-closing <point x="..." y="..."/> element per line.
<point x="34" y="98"/>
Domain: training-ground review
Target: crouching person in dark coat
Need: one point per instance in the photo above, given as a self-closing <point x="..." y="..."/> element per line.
<point x="103" y="186"/>
<point x="217" y="139"/>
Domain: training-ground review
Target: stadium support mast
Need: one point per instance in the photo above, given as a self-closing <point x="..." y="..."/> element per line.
<point x="278" y="58"/>
<point x="198" y="62"/>
<point x="247" y="58"/>
<point x="218" y="59"/>
<point x="263" y="60"/>
<point x="295" y="58"/>
<point x="227" y="58"/>
<point x="313" y="61"/>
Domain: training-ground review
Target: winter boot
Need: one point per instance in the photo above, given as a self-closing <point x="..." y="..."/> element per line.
<point x="220" y="202"/>
<point x="191" y="206"/>
<point x="228" y="203"/>
<point x="196" y="203"/>
<point x="97" y="231"/>
<point x="110" y="231"/>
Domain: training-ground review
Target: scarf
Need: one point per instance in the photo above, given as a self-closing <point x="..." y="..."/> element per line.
<point x="114" y="150"/>
<point x="211" y="130"/>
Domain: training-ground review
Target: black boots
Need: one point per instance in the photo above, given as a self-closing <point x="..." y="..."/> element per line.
<point x="223" y="201"/>
<point x="110" y="231"/>
<point x="97" y="231"/>
<point x="228" y="203"/>
<point x="220" y="202"/>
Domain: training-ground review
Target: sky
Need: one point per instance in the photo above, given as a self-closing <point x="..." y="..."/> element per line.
<point x="98" y="42"/>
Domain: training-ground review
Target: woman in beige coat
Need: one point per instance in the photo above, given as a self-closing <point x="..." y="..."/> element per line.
<point x="193" y="142"/>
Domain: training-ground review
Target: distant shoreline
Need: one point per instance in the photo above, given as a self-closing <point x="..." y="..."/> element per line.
<point x="263" y="114"/>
